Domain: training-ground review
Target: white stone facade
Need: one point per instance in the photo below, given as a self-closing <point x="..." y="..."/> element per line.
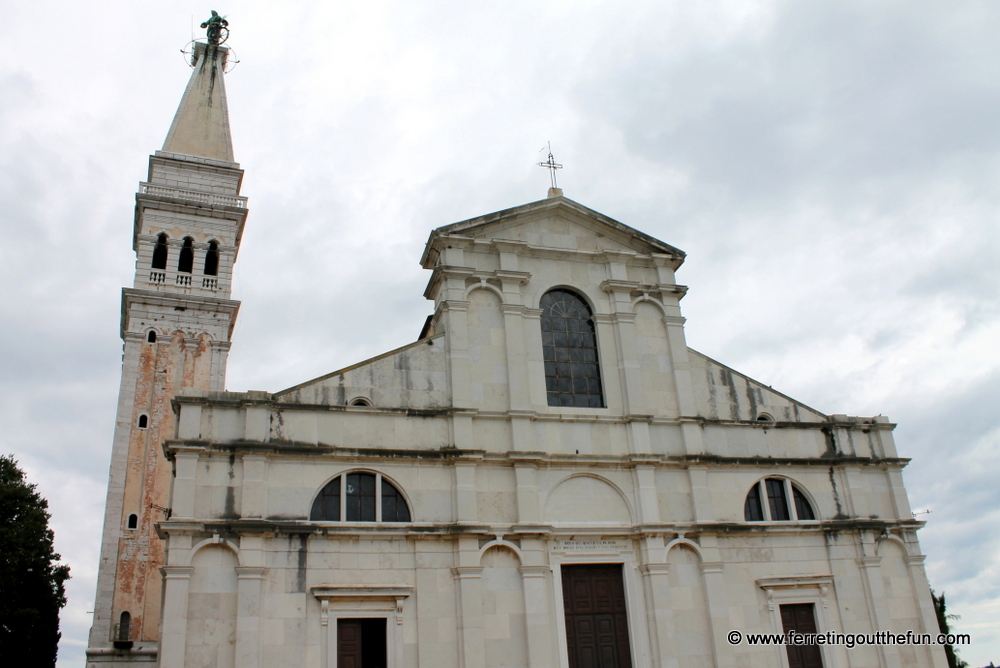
<point x="505" y="491"/>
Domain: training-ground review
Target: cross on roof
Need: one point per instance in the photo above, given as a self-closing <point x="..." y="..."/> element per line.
<point x="551" y="165"/>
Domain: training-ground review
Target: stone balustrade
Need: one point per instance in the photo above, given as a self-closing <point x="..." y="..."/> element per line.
<point x="213" y="199"/>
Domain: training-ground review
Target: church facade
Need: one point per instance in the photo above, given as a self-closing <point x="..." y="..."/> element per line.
<point x="547" y="477"/>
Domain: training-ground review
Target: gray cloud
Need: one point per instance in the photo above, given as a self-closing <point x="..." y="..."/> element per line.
<point x="830" y="167"/>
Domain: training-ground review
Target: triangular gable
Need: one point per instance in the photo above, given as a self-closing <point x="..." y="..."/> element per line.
<point x="726" y="394"/>
<point x="412" y="376"/>
<point x="619" y="232"/>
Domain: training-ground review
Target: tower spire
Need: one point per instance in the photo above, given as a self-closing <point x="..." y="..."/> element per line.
<point x="201" y="124"/>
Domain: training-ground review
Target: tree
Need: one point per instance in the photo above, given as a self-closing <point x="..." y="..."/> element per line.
<point x="31" y="579"/>
<point x="943" y="618"/>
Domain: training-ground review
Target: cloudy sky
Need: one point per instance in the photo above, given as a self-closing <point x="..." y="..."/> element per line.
<point x="831" y="169"/>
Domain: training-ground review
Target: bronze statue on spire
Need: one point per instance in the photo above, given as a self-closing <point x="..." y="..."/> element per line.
<point x="216" y="24"/>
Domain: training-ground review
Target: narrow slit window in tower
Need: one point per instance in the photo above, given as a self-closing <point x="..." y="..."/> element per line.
<point x="212" y="259"/>
<point x="185" y="263"/>
<point x="160" y="252"/>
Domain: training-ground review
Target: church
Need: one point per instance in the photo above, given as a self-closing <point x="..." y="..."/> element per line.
<point x="547" y="477"/>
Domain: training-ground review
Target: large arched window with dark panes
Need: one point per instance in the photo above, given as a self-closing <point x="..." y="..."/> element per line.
<point x="360" y="497"/>
<point x="569" y="348"/>
<point x="160" y="252"/>
<point x="185" y="263"/>
<point x="212" y="259"/>
<point x="777" y="500"/>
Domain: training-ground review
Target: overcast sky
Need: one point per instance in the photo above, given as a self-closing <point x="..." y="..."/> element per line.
<point x="831" y="169"/>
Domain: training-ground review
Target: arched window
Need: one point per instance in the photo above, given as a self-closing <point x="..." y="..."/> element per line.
<point x="212" y="259"/>
<point x="353" y="497"/>
<point x="160" y="251"/>
<point x="185" y="263"/>
<point x="569" y="348"/>
<point x="361" y="401"/>
<point x="151" y="337"/>
<point x="777" y="492"/>
<point x="143" y="422"/>
<point x="133" y="521"/>
<point x="124" y="631"/>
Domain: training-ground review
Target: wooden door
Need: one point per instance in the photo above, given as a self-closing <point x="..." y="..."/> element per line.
<point x="348" y="643"/>
<point x="596" y="616"/>
<point x="361" y="643"/>
<point x="800" y="617"/>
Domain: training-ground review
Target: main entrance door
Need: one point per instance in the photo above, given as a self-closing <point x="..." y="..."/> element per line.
<point x="361" y="643"/>
<point x="596" y="621"/>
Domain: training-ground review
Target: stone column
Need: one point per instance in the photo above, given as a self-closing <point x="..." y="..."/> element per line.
<point x="659" y="616"/>
<point x="871" y="577"/>
<point x="646" y="502"/>
<point x="526" y="475"/>
<point x="538" y="619"/>
<point x="928" y="617"/>
<point x="182" y="495"/>
<point x="470" y="616"/>
<point x="173" y="626"/>
<point x="250" y="582"/>
<point x="254" y="503"/>
<point x="718" y="606"/>
<point x="465" y="490"/>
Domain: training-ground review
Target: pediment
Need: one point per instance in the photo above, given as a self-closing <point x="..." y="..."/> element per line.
<point x="556" y="222"/>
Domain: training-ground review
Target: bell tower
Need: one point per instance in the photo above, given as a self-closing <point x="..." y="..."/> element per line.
<point x="177" y="323"/>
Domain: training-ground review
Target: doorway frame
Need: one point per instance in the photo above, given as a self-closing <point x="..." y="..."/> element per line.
<point x="784" y="591"/>
<point x="360" y="602"/>
<point x="617" y="550"/>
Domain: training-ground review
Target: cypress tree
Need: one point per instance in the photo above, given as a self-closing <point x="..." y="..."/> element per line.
<point x="31" y="577"/>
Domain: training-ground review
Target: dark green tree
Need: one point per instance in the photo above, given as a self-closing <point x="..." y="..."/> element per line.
<point x="31" y="577"/>
<point x="943" y="624"/>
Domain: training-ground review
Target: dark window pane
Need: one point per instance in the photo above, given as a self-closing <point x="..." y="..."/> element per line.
<point x="368" y="508"/>
<point x="360" y="497"/>
<point x="777" y="502"/>
<point x="802" y="507"/>
<point x="568" y="337"/>
<point x="367" y="484"/>
<point x="393" y="506"/>
<point x="326" y="507"/>
<point x="752" y="510"/>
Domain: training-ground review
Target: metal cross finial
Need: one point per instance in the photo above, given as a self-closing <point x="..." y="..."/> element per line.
<point x="551" y="165"/>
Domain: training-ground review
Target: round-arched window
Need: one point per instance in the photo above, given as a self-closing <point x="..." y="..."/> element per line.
<point x="569" y="348"/>
<point x="359" y="497"/>
<point x="776" y="500"/>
